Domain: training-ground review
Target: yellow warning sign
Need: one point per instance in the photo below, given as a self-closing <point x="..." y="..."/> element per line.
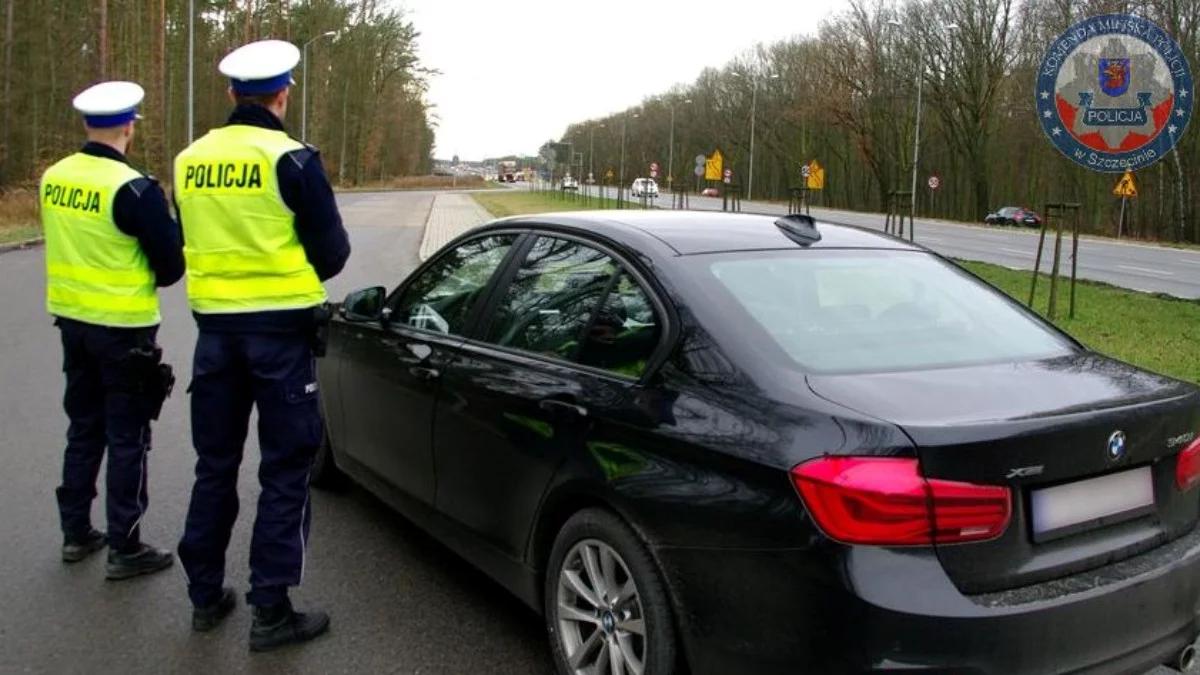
<point x="816" y="176"/>
<point x="1125" y="187"/>
<point x="713" y="166"/>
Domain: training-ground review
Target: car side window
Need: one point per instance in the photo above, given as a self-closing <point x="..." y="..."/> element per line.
<point x="441" y="298"/>
<point x="552" y="298"/>
<point x="625" y="331"/>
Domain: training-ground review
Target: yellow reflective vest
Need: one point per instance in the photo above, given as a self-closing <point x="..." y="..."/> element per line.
<point x="240" y="240"/>
<point x="94" y="272"/>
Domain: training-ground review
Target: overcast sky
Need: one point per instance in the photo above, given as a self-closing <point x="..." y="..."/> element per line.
<point x="514" y="74"/>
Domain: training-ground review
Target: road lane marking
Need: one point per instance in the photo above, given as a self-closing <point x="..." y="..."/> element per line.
<point x="1014" y="250"/>
<point x="1191" y="262"/>
<point x="1145" y="270"/>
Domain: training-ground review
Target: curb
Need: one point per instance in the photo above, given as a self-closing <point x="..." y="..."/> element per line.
<point x="22" y="245"/>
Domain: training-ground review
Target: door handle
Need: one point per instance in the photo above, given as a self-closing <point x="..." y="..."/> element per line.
<point x="553" y="405"/>
<point x="424" y="374"/>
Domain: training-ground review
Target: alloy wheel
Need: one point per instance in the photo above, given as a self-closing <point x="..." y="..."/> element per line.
<point x="599" y="612"/>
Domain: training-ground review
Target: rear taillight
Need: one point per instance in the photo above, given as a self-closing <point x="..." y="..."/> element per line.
<point x="886" y="502"/>
<point x="1187" y="471"/>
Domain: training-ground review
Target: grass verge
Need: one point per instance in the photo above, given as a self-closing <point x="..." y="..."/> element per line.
<point x="18" y="216"/>
<point x="1155" y="332"/>
<point x="519" y="202"/>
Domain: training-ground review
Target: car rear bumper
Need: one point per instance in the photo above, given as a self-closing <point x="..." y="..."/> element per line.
<point x="871" y="610"/>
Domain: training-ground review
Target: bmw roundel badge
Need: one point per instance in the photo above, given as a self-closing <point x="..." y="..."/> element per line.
<point x="1116" y="445"/>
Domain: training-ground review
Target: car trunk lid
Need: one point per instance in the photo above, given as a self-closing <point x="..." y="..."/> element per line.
<point x="1044" y="429"/>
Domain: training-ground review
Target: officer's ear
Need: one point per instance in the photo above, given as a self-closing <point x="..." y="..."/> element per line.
<point x="281" y="102"/>
<point x="232" y="96"/>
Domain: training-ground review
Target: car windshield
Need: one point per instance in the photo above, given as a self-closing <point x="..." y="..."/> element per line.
<point x="843" y="311"/>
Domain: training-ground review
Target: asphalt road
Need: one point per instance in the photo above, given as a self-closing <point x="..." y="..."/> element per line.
<point x="400" y="602"/>
<point x="1142" y="267"/>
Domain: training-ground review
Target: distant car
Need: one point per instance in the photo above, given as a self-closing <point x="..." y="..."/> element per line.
<point x="710" y="192"/>
<point x="1014" y="215"/>
<point x="570" y="183"/>
<point x="644" y="187"/>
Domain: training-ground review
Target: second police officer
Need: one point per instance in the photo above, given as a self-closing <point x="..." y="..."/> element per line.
<point x="261" y="231"/>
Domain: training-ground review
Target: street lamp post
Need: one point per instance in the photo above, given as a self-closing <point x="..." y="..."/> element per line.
<point x="912" y="216"/>
<point x="191" y="69"/>
<point x="753" y="115"/>
<point x="621" y="172"/>
<point x="671" y="148"/>
<point x="304" y="91"/>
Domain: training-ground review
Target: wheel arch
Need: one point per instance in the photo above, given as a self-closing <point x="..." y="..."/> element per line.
<point x="566" y="500"/>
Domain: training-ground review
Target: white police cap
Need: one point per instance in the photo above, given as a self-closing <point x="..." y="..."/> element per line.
<point x="262" y="67"/>
<point x="109" y="104"/>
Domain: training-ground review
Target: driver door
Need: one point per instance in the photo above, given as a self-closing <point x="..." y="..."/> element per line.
<point x="392" y="369"/>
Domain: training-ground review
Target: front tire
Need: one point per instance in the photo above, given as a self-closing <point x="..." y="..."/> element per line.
<point x="606" y="605"/>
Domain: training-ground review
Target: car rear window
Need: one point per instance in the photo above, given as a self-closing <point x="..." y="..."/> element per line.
<point x="844" y="311"/>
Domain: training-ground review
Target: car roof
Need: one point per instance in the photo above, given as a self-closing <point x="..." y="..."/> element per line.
<point x="699" y="232"/>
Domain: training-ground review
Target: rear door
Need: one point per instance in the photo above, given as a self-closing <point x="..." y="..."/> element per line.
<point x="392" y="370"/>
<point x="550" y="372"/>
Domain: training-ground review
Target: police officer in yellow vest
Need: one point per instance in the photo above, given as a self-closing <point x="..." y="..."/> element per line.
<point x="110" y="241"/>
<point x="262" y="231"/>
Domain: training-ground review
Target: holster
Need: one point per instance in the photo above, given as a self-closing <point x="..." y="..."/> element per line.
<point x="322" y="315"/>
<point x="151" y="379"/>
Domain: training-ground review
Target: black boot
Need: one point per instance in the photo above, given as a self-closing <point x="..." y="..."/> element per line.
<point x="75" y="549"/>
<point x="141" y="560"/>
<point x="207" y="618"/>
<point x="280" y="625"/>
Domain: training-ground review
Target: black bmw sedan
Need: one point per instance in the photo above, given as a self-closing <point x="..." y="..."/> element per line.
<point x="723" y="444"/>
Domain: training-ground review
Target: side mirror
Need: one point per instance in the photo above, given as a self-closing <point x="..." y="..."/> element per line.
<point x="365" y="304"/>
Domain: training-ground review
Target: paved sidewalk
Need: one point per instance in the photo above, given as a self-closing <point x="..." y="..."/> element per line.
<point x="451" y="215"/>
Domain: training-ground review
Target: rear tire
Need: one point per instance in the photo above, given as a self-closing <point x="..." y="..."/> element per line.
<point x="605" y="600"/>
<point x="325" y="474"/>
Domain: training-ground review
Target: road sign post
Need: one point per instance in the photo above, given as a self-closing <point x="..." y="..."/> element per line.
<point x="1125" y="189"/>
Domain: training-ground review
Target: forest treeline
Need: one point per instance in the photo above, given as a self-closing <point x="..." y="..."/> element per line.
<point x="846" y="97"/>
<point x="366" y="89"/>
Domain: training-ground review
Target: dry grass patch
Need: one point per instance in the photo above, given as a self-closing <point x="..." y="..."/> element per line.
<point x="19" y="215"/>
<point x="423" y="183"/>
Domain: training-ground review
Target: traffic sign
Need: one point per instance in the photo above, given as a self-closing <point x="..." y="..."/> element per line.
<point x="935" y="182"/>
<point x="1125" y="187"/>
<point x="699" y="171"/>
<point x="727" y="175"/>
<point x="804" y="171"/>
<point x="700" y="159"/>
<point x="713" y="166"/>
<point x="816" y="176"/>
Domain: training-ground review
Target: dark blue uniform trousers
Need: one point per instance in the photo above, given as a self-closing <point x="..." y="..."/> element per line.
<point x="105" y="411"/>
<point x="233" y="372"/>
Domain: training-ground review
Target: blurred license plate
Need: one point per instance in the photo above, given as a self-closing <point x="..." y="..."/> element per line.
<point x="1082" y="505"/>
